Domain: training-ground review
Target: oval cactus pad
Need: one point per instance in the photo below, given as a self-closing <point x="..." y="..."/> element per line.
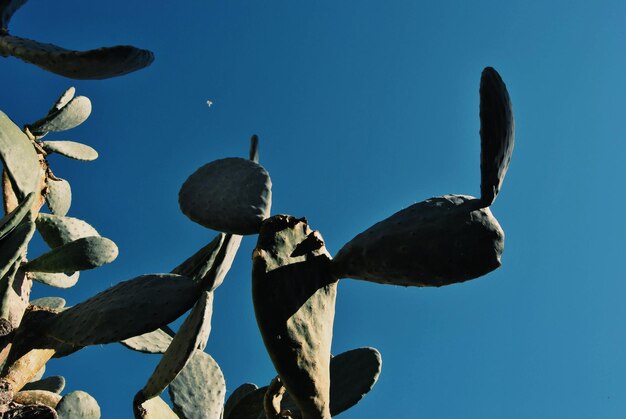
<point x="436" y="242"/>
<point x="71" y="149"/>
<point x="232" y="195"/>
<point x="71" y="115"/>
<point x="78" y="404"/>
<point x="497" y="134"/>
<point x="78" y="255"/>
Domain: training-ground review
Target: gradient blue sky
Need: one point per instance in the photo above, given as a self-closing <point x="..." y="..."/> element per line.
<point x="363" y="108"/>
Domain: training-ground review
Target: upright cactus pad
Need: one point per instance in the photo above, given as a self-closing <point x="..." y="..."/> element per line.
<point x="436" y="242"/>
<point x="78" y="404"/>
<point x="72" y="114"/>
<point x="232" y="195"/>
<point x="199" y="390"/>
<point x="7" y="8"/>
<point x="294" y="301"/>
<point x="236" y="396"/>
<point x="18" y="157"/>
<point x="15" y="217"/>
<point x="497" y="133"/>
<point x="58" y="196"/>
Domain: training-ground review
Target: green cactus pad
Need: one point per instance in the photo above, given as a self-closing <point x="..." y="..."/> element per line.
<point x="239" y="393"/>
<point x="79" y="255"/>
<point x="14" y="244"/>
<point x="57" y="230"/>
<point x="74" y="113"/>
<point x="55" y="303"/>
<point x="155" y="342"/>
<point x="54" y="384"/>
<point x="497" y="134"/>
<point x="101" y="63"/>
<point x="156" y="408"/>
<point x="294" y="301"/>
<point x="58" y="196"/>
<point x="19" y="157"/>
<point x="57" y="280"/>
<point x="7" y="9"/>
<point x="71" y="149"/>
<point x="192" y="335"/>
<point x="440" y="241"/>
<point x="232" y="195"/>
<point x="78" y="404"/>
<point x="125" y="310"/>
<point x="198" y="391"/>
<point x="12" y="219"/>
<point x="62" y="100"/>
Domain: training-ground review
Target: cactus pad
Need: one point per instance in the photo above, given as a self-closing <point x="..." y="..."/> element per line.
<point x="33" y="411"/>
<point x="44" y="397"/>
<point x="156" y="408"/>
<point x="198" y="391"/>
<point x="57" y="280"/>
<point x="58" y="196"/>
<point x="78" y="404"/>
<point x="71" y="115"/>
<point x="62" y="100"/>
<point x="79" y="255"/>
<point x="127" y="309"/>
<point x="294" y="301"/>
<point x="55" y="303"/>
<point x="101" y="63"/>
<point x="54" y="384"/>
<point x="71" y="149"/>
<point x="239" y="393"/>
<point x="155" y="342"/>
<point x="497" y="134"/>
<point x="7" y="9"/>
<point x="232" y="195"/>
<point x="19" y="157"/>
<point x="13" y="246"/>
<point x="57" y="230"/>
<point x="440" y="241"/>
<point x="15" y="217"/>
<point x="192" y="335"/>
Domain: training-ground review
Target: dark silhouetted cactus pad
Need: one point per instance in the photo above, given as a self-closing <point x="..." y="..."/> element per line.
<point x="70" y="149"/>
<point x="33" y="411"/>
<point x="192" y="335"/>
<point x="294" y="301"/>
<point x="72" y="114"/>
<point x="7" y="9"/>
<point x="101" y="63"/>
<point x="58" y="230"/>
<point x="497" y="134"/>
<point x="79" y="255"/>
<point x="231" y="195"/>
<point x="127" y="309"/>
<point x="199" y="390"/>
<point x="58" y="196"/>
<point x="78" y="404"/>
<point x="19" y="157"/>
<point x="436" y="242"/>
<point x="155" y="342"/>
<point x="239" y="393"/>
<point x="54" y="384"/>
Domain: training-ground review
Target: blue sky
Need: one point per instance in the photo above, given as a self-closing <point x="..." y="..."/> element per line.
<point x="363" y="109"/>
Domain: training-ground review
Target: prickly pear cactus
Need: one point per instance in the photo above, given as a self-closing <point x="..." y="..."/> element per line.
<point x="439" y="241"/>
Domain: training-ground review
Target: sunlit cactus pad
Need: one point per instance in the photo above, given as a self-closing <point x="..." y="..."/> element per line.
<point x="70" y="149"/>
<point x="232" y="195"/>
<point x="436" y="242"/>
<point x="59" y="230"/>
<point x="70" y="115"/>
<point x="78" y="404"/>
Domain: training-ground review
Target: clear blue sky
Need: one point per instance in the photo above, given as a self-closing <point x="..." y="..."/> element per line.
<point x="363" y="108"/>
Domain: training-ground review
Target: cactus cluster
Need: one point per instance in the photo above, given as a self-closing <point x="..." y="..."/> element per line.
<point x="440" y="241"/>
